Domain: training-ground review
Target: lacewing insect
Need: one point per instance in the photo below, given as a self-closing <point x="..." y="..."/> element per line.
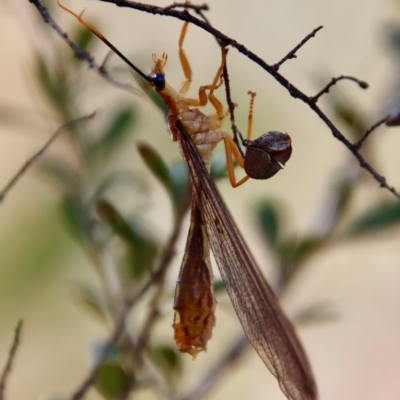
<point x="258" y="310"/>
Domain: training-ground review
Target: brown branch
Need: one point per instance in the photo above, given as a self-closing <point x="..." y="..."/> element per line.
<point x="369" y="131"/>
<point x="197" y="8"/>
<point x="81" y="53"/>
<point x="32" y="159"/>
<point x="11" y="357"/>
<point x="292" y="53"/>
<point x="293" y="90"/>
<point x="362" y="84"/>
<point x="120" y="327"/>
<point x="159" y="277"/>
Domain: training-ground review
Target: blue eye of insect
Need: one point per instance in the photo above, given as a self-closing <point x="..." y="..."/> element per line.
<point x="158" y="81"/>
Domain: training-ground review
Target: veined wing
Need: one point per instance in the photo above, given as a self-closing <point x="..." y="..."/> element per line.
<point x="263" y="321"/>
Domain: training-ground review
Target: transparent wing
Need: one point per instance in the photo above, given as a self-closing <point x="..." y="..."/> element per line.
<point x="262" y="319"/>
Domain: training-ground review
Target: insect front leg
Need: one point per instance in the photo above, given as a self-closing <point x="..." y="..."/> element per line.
<point x="187" y="71"/>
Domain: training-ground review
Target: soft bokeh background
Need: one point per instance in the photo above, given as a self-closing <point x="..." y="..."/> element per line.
<point x="356" y="354"/>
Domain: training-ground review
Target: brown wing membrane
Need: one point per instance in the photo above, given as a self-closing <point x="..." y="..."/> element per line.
<point x="262" y="319"/>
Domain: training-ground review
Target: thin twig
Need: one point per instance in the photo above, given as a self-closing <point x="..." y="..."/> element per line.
<point x="369" y="131"/>
<point x="292" y="53"/>
<point x="362" y="84"/>
<point x="120" y="326"/>
<point x="237" y="135"/>
<point x="159" y="278"/>
<point x="83" y="54"/>
<point x="32" y="159"/>
<point x="11" y="357"/>
<point x="196" y="8"/>
<point x="293" y="90"/>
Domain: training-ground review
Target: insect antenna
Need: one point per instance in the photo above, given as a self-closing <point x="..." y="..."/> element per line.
<point x="103" y="39"/>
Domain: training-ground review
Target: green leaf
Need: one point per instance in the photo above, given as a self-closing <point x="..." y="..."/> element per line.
<point x="180" y="183"/>
<point x="83" y="37"/>
<point x="351" y="117"/>
<point x="51" y="85"/>
<point x="142" y="250"/>
<point x="76" y="216"/>
<point x="114" y="134"/>
<point x="153" y="95"/>
<point x="393" y="37"/>
<point x="320" y="312"/>
<point x="92" y="300"/>
<point x="268" y="220"/>
<point x="294" y="251"/>
<point x="174" y="179"/>
<point x="376" y="219"/>
<point x="218" y="286"/>
<point x="218" y="168"/>
<point x="122" y="177"/>
<point x="167" y="359"/>
<point x="344" y="190"/>
<point x="156" y="165"/>
<point x="59" y="171"/>
<point x="111" y="381"/>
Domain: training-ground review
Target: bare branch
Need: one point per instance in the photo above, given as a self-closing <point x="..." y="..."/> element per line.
<point x="187" y="5"/>
<point x="362" y="84"/>
<point x="11" y="357"/>
<point x="120" y="326"/>
<point x="83" y="54"/>
<point x="32" y="159"/>
<point x="292" y="53"/>
<point x="369" y="131"/>
<point x="293" y="90"/>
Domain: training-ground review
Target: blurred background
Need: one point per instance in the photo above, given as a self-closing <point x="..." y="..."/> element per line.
<point x="82" y="229"/>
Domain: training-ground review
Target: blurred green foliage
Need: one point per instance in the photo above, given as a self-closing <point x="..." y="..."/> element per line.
<point x="96" y="223"/>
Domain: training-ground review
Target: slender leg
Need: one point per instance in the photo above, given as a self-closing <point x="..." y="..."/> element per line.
<point x="250" y="119"/>
<point x="203" y="97"/>
<point x="231" y="152"/>
<point x="184" y="61"/>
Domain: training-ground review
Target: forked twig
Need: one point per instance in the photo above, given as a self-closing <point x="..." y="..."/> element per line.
<point x="222" y="38"/>
<point x="81" y="53"/>
<point x="292" y="53"/>
<point x="32" y="159"/>
<point x="369" y="131"/>
<point x="362" y="84"/>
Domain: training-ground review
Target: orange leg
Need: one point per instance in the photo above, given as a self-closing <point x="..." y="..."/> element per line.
<point x="203" y="97"/>
<point x="231" y="150"/>
<point x="250" y="119"/>
<point x="184" y="62"/>
<point x="81" y="20"/>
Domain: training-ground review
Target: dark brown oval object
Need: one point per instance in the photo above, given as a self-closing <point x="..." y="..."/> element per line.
<point x="266" y="154"/>
<point x="394" y="118"/>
